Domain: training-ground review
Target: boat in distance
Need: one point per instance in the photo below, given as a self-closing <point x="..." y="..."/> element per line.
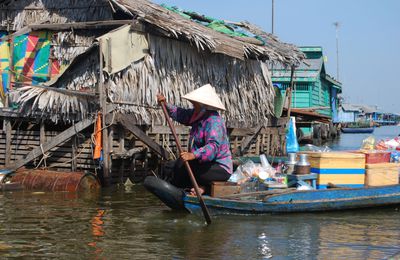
<point x="359" y="130"/>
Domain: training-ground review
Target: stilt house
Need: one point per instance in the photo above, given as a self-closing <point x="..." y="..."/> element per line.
<point x="67" y="64"/>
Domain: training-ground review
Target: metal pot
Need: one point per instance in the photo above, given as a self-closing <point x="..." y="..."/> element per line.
<point x="302" y="166"/>
<point x="290" y="163"/>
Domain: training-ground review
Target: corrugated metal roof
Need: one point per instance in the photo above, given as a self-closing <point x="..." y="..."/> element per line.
<point x="349" y="107"/>
<point x="308" y="69"/>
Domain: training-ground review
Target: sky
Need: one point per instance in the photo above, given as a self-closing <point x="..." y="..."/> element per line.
<point x="368" y="37"/>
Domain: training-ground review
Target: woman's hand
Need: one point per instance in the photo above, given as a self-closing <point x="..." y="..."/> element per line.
<point x="186" y="156"/>
<point x="160" y="98"/>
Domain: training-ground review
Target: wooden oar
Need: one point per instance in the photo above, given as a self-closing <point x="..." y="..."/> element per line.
<point x="192" y="179"/>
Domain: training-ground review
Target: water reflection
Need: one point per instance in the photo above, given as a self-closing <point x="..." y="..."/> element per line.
<point x="97" y="232"/>
<point x="133" y="224"/>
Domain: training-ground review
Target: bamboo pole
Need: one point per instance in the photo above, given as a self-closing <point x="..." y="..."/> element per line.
<point x="191" y="175"/>
<point x="290" y="90"/>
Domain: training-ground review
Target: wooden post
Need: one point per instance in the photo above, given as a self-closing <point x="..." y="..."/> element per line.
<point x="290" y="90"/>
<point x="42" y="133"/>
<point x="103" y="106"/>
<point x="258" y="144"/>
<point x="121" y="149"/>
<point x="7" y="122"/>
<point x="7" y="129"/>
<point x="74" y="160"/>
<point x="11" y="64"/>
<point x="110" y="147"/>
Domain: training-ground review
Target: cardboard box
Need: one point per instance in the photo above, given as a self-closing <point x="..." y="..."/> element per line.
<point x="221" y="188"/>
<point x="381" y="174"/>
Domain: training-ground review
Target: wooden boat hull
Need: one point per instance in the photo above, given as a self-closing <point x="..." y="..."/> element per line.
<point x="350" y="130"/>
<point x="303" y="201"/>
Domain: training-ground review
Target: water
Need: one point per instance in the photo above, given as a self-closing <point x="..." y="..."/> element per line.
<point x="129" y="223"/>
<point x="354" y="141"/>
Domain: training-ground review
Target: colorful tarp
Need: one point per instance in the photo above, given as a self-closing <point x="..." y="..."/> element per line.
<point x="4" y="62"/>
<point x="31" y="60"/>
<point x="31" y="57"/>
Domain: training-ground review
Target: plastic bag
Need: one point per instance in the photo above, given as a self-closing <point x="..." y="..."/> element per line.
<point x="292" y="146"/>
<point x="389" y="144"/>
<point x="243" y="173"/>
<point x="238" y="176"/>
<point x="314" y="148"/>
<point x="368" y="143"/>
<point x="395" y="156"/>
<point x="304" y="186"/>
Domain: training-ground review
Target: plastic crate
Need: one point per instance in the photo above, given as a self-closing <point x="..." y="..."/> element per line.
<point x="375" y="156"/>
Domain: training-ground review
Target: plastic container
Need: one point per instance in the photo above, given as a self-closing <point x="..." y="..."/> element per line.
<point x="375" y="156"/>
<point x="302" y="167"/>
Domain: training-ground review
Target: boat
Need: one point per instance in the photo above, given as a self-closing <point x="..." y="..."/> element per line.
<point x="277" y="201"/>
<point x="357" y="130"/>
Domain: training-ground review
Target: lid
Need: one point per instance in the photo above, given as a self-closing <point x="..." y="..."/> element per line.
<point x="370" y="151"/>
<point x="382" y="165"/>
<point x="343" y="155"/>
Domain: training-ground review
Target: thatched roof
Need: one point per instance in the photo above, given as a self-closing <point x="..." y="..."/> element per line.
<point x="174" y="25"/>
<point x="14" y="15"/>
<point x="173" y="68"/>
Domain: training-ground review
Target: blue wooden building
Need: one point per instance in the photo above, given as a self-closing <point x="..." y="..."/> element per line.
<point x="314" y="90"/>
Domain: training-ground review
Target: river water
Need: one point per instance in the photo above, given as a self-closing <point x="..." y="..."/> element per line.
<point x="129" y="223"/>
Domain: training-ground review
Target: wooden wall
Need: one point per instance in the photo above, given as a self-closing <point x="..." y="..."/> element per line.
<point x="129" y="156"/>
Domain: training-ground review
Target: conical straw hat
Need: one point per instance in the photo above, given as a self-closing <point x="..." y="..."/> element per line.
<point x="205" y="95"/>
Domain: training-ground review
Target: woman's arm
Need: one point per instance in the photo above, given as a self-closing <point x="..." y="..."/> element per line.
<point x="179" y="114"/>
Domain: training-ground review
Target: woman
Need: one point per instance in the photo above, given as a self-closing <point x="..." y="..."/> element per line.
<point x="209" y="153"/>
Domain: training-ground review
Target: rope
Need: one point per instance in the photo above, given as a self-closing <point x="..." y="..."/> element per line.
<point x="167" y="147"/>
<point x="44" y="157"/>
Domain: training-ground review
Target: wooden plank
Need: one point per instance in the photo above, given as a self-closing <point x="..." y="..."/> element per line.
<point x="247" y="141"/>
<point x="79" y="25"/>
<point x="62" y="137"/>
<point x="161" y="129"/>
<point x="126" y="121"/>
<point x="259" y="193"/>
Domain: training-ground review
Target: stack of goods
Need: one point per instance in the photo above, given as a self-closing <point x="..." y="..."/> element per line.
<point x="254" y="176"/>
<point x="338" y="168"/>
<point x="382" y="159"/>
<point x="389" y="145"/>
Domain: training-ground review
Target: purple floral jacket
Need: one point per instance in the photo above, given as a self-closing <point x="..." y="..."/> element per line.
<point x="208" y="136"/>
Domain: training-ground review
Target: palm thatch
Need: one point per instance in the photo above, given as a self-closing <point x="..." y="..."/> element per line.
<point x="173" y="25"/>
<point x="14" y="15"/>
<point x="56" y="104"/>
<point x="176" y="68"/>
